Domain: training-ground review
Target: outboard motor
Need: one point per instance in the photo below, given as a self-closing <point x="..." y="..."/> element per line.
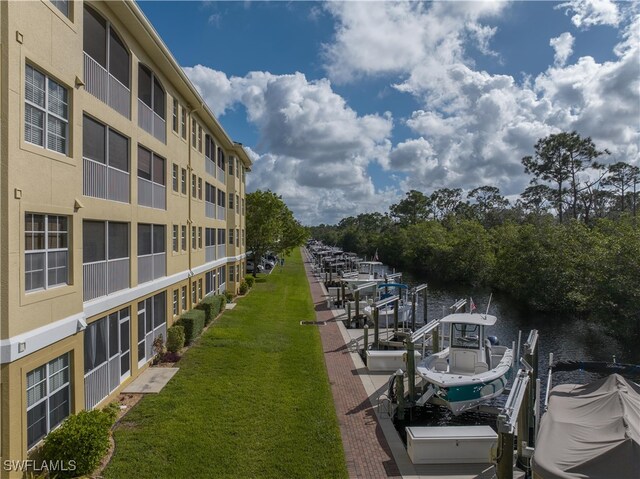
<point x="493" y="340"/>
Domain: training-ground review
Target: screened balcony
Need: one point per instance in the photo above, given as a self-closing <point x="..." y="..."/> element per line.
<point x="151" y="104"/>
<point x="152" y="191"/>
<point x="152" y="257"/>
<point x="106" y="264"/>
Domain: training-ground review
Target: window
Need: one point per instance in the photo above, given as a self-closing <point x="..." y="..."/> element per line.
<point x="466" y="336"/>
<point x="200" y="237"/>
<point x="106" y="355"/>
<point x="199" y="188"/>
<point x="46" y="112"/>
<point x="48" y="398"/>
<point x="243" y="237"/>
<point x="237" y="237"/>
<point x="194" y="132"/>
<point x="237" y="204"/>
<point x="200" y="138"/>
<point x="46" y="251"/>
<point x="105" y="47"/>
<point x="243" y="204"/>
<point x="231" y="271"/>
<point x="194" y="185"/>
<point x="176" y="306"/>
<point x="152" y="318"/>
<point x="193" y="237"/>
<point x="150" y="166"/>
<point x="183" y="182"/>
<point x="209" y="281"/>
<point x="231" y="236"/>
<point x="183" y="123"/>
<point x="221" y="161"/>
<point x="174" y="238"/>
<point x="237" y="168"/>
<point x="194" y="292"/>
<point x="200" y="289"/>
<point x="63" y="6"/>
<point x="151" y="239"/>
<point x="231" y="165"/>
<point x="221" y="198"/>
<point x="210" y="237"/>
<point x="175" y="115"/>
<point x="184" y="238"/>
<point x="150" y="91"/>
<point x="175" y="177"/>
<point x="104" y="241"/>
<point x="209" y="193"/>
<point x="151" y="179"/>
<point x="183" y="296"/>
<point x="104" y="147"/>
<point x="230" y="201"/>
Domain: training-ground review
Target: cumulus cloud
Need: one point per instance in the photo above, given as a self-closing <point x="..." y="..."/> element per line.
<point x="315" y="148"/>
<point x="394" y="37"/>
<point x="563" y="47"/>
<point x="474" y="127"/>
<point x="588" y="13"/>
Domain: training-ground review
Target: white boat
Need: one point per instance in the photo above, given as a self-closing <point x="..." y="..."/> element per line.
<point x="368" y="272"/>
<point x="386" y="313"/>
<point x="471" y="370"/>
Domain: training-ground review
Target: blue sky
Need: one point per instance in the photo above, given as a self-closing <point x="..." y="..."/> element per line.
<point x="345" y="106"/>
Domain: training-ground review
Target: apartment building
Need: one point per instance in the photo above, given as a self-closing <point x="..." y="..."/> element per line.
<point x="122" y="204"/>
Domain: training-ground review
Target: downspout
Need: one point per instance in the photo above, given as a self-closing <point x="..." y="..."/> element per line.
<point x="190" y="193"/>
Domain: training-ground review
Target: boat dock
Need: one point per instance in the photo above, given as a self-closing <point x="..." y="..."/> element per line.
<point x="372" y="446"/>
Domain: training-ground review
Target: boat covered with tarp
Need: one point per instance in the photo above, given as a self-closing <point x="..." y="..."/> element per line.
<point x="590" y="431"/>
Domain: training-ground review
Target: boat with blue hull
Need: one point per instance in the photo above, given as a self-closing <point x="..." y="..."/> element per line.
<point x="472" y="370"/>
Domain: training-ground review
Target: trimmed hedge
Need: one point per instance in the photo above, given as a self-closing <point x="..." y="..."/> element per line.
<point x="250" y="280"/>
<point x="244" y="287"/>
<point x="193" y="324"/>
<point x="211" y="305"/>
<point x="80" y="442"/>
<point x="175" y="338"/>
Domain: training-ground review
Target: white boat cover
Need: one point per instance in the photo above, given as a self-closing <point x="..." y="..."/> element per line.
<point x="590" y="431"/>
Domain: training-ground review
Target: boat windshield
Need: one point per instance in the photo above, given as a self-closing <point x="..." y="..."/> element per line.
<point x="466" y="336"/>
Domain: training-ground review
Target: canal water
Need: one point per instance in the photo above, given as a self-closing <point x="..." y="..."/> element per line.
<point x="567" y="338"/>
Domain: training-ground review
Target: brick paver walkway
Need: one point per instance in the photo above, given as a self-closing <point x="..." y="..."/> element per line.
<point x="367" y="453"/>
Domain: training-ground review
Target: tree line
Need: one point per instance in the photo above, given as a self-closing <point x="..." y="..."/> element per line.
<point x="568" y="244"/>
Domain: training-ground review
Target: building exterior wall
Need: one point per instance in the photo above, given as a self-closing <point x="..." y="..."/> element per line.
<point x="38" y="326"/>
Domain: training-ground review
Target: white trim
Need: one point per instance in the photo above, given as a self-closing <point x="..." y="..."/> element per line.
<point x="45" y="336"/>
<point x="40" y="338"/>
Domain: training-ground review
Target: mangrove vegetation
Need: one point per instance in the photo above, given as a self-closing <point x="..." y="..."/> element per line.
<point x="569" y="243"/>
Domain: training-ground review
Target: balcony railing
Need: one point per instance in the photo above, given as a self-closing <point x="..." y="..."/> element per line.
<point x="106" y="182"/>
<point x="151" y="194"/>
<point x="221" y="212"/>
<point x="104" y="86"/>
<point x="210" y="210"/>
<point x="209" y="253"/>
<point x="220" y="174"/>
<point x="105" y="277"/>
<point x="210" y="166"/>
<point x="222" y="251"/>
<point x="151" y="266"/>
<point x="151" y="122"/>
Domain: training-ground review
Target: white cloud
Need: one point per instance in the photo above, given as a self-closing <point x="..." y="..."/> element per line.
<point x="317" y="147"/>
<point x="563" y="47"/>
<point x="588" y="13"/>
<point x="474" y="127"/>
<point x="374" y="38"/>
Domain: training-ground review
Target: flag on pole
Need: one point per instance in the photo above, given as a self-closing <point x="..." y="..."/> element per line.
<point x="472" y="305"/>
<point x="375" y="256"/>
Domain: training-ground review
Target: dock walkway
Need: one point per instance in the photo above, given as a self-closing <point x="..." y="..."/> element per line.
<point x="372" y="446"/>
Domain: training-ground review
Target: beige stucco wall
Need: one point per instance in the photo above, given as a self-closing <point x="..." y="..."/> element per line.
<point x="36" y="180"/>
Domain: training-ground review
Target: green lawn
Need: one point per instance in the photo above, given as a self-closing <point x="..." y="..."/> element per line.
<point x="251" y="399"/>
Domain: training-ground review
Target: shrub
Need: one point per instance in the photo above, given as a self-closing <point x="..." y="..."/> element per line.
<point x="112" y="410"/>
<point x="211" y="305"/>
<point x="175" y="338"/>
<point x="170" y="357"/>
<point x="193" y="323"/>
<point x="158" y="349"/>
<point x="250" y="280"/>
<point x="82" y="439"/>
<point x="244" y="287"/>
<point x="228" y="296"/>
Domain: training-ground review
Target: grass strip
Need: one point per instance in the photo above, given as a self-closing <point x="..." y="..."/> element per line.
<point x="251" y="400"/>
